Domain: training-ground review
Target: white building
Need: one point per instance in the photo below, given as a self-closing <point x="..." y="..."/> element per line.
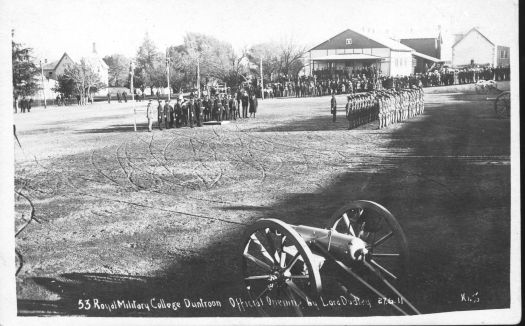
<point x="350" y="50"/>
<point x="475" y="48"/>
<point x="54" y="69"/>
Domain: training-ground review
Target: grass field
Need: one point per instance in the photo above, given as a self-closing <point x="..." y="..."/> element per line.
<point x="124" y="214"/>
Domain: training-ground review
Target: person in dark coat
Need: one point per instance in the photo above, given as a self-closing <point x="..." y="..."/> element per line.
<point x="177" y="108"/>
<point x="118" y="97"/>
<point x="198" y="112"/>
<point x="333" y="107"/>
<point x="172" y="115"/>
<point x="245" y="101"/>
<point x="191" y="111"/>
<point x="23" y="104"/>
<point x="29" y="103"/>
<point x="167" y="120"/>
<point x="125" y="97"/>
<point x="160" y="114"/>
<point x="253" y="105"/>
<point x="109" y="98"/>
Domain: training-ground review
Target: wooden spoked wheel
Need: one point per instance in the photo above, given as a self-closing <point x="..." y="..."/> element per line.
<point x="502" y="105"/>
<point x="278" y="265"/>
<point x="385" y="240"/>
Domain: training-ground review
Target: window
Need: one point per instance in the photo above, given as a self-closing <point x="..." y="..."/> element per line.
<point x="503" y="54"/>
<point x="348" y="41"/>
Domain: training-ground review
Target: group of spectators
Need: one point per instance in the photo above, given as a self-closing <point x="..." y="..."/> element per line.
<point x="367" y="79"/>
<point x="449" y="76"/>
<point x="194" y="111"/>
<point x="23" y="104"/>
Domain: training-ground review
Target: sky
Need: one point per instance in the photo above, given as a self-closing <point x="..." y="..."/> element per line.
<point x="52" y="27"/>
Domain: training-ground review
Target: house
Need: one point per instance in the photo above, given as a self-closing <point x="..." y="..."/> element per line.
<point x="351" y="51"/>
<point x="474" y="48"/>
<point x="56" y="68"/>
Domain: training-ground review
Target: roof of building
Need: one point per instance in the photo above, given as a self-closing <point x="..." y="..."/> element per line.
<point x="427" y="57"/>
<point x="92" y="61"/>
<point x="363" y="39"/>
<point x="348" y="56"/>
<point x="473" y="29"/>
<point x="428" y="46"/>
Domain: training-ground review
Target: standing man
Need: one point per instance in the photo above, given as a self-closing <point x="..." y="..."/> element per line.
<point x="198" y="112"/>
<point x="333" y="107"/>
<point x="178" y="113"/>
<point x="160" y="114"/>
<point x="233" y="108"/>
<point x="167" y="120"/>
<point x="253" y="105"/>
<point x="125" y="97"/>
<point x="149" y="115"/>
<point x="245" y="100"/>
<point x="118" y="97"/>
<point x="109" y="97"/>
<point x="238" y="97"/>
<point x="191" y="111"/>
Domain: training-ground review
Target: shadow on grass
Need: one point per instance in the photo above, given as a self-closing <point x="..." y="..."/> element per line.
<point x="449" y="208"/>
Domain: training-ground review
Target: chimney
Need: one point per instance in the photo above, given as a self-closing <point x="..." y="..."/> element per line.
<point x="94" y="48"/>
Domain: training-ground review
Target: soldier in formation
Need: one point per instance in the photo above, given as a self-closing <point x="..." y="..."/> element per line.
<point x="388" y="106"/>
<point x="361" y="109"/>
<point x="397" y="106"/>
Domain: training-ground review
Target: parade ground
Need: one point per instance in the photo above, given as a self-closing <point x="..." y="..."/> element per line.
<point x="107" y="213"/>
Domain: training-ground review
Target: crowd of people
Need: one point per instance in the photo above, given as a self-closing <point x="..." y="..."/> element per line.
<point x="367" y="79"/>
<point x="194" y="111"/>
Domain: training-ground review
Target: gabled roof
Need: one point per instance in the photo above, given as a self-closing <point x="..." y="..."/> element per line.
<point x="53" y="65"/>
<point x="89" y="60"/>
<point x="473" y="29"/>
<point x="371" y="41"/>
<point x="427" y="57"/>
<point x="428" y="46"/>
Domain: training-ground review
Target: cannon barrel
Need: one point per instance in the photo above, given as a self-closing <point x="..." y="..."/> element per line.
<point x="339" y="244"/>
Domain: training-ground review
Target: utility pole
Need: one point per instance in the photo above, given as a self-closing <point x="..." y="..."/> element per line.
<point x="168" y="73"/>
<point x="131" y="73"/>
<point x="198" y="77"/>
<point x="262" y="82"/>
<point x="43" y="86"/>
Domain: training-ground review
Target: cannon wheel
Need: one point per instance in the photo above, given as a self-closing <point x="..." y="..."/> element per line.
<point x="502" y="105"/>
<point x="277" y="264"/>
<point x="386" y="241"/>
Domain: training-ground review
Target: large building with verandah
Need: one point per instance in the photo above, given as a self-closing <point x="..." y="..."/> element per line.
<point x="349" y="52"/>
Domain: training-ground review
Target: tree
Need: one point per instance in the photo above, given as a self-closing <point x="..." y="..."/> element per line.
<point x="283" y="59"/>
<point x="216" y="58"/>
<point x="148" y="61"/>
<point x="25" y="72"/>
<point x="118" y="69"/>
<point x="84" y="78"/>
<point x="64" y="85"/>
<point x="291" y="55"/>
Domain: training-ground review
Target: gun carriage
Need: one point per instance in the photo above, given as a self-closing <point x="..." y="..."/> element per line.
<point x="362" y="246"/>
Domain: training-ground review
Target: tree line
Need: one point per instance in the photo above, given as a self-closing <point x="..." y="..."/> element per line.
<point x="217" y="61"/>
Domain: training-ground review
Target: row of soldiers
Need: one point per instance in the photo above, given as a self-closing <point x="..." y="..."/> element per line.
<point x="388" y="106"/>
<point x="396" y="106"/>
<point x="195" y="110"/>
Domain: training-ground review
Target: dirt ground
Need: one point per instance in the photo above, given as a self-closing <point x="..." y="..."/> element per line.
<point x="118" y="214"/>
